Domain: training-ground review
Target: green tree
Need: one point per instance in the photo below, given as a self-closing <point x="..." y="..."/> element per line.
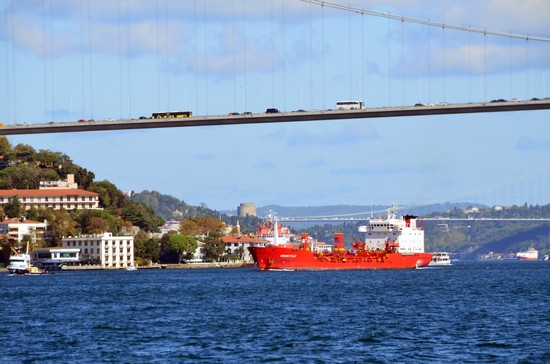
<point x="24" y="153"/>
<point x="48" y="159"/>
<point x="214" y="247"/>
<point x="142" y="216"/>
<point x="13" y="208"/>
<point x="32" y="214"/>
<point x="146" y="250"/>
<point x="97" y="221"/>
<point x="96" y="225"/>
<point x="5" y="146"/>
<point x="60" y="224"/>
<point x="183" y="245"/>
<point x="189" y="227"/>
<point x="110" y="197"/>
<point x="200" y="225"/>
<point x="167" y="254"/>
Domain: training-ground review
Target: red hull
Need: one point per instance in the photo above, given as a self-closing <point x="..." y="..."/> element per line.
<point x="293" y="258"/>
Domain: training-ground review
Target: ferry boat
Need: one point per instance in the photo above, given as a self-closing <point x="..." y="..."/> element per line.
<point x="22" y="264"/>
<point x="440" y="259"/>
<point x="530" y="254"/>
<point x="389" y="243"/>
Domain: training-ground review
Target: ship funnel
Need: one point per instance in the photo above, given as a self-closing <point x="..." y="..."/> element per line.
<point x="304" y="241"/>
<point x="338" y="242"/>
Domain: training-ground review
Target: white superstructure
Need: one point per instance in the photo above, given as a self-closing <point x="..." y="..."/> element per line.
<point x="20" y="264"/>
<point x="404" y="231"/>
<point x="440" y="259"/>
<point x="531" y="254"/>
<point x="274" y="232"/>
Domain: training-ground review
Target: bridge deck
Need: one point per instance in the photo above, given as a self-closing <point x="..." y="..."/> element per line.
<point x="318" y="115"/>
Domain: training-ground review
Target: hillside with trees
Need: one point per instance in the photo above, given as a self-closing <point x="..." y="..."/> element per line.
<point x="166" y="206"/>
<point x="22" y="167"/>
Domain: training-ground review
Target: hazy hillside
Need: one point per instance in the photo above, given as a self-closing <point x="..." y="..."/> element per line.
<point x="165" y="205"/>
<point x="467" y="238"/>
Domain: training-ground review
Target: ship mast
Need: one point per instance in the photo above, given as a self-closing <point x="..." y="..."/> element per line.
<point x="392" y="211"/>
<point x="272" y="216"/>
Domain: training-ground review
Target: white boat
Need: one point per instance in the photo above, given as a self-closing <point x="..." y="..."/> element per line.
<point x="22" y="264"/>
<point x="131" y="267"/>
<point x="531" y="254"/>
<point x="440" y="259"/>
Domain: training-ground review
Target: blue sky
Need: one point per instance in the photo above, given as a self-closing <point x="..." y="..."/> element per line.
<point x="63" y="60"/>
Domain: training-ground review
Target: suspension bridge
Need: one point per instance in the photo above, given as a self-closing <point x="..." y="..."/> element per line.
<point x="262" y="118"/>
<point x="402" y="70"/>
<point x="87" y="66"/>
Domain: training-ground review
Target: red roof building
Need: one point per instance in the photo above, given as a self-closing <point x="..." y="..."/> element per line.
<point x="67" y="198"/>
<point x="233" y="244"/>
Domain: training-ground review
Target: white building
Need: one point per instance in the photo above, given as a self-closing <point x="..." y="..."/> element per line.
<point x="14" y="229"/>
<point x="234" y="244"/>
<point x="108" y="250"/>
<point x="50" y="256"/>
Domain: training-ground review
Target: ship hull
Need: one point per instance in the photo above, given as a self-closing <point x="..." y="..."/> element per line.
<point x="292" y="258"/>
<point x="18" y="271"/>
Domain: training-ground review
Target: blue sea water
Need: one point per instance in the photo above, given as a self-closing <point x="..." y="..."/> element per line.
<point x="472" y="312"/>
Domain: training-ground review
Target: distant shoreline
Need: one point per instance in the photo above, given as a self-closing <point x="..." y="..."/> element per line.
<point x="160" y="266"/>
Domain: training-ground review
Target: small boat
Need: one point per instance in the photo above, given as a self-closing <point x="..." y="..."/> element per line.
<point x="21" y="264"/>
<point x="531" y="254"/>
<point x="440" y="259"/>
<point x="131" y="267"/>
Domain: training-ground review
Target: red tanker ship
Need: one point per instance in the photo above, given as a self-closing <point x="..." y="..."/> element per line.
<point x="390" y="243"/>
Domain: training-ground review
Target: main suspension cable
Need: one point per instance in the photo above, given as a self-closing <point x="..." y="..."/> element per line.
<point x="426" y="22"/>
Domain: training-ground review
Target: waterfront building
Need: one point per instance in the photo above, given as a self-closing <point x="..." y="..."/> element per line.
<point x="238" y="244"/>
<point x="55" y="257"/>
<point x="103" y="249"/>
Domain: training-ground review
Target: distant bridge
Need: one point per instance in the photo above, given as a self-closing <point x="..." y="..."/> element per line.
<point x="328" y="219"/>
<point x="261" y="118"/>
